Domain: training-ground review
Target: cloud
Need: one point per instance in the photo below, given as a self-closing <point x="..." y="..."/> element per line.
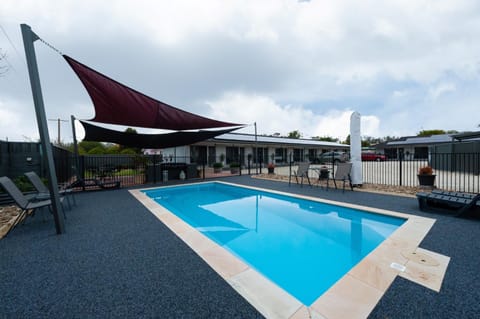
<point x="443" y="88"/>
<point x="271" y="117"/>
<point x="292" y="65"/>
<point x="11" y="119"/>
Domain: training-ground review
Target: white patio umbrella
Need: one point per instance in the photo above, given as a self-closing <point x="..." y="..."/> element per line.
<point x="356" y="149"/>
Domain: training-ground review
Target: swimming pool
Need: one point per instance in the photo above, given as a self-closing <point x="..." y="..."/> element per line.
<point x="303" y="246"/>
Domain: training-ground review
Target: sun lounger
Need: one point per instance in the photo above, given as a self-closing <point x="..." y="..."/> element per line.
<point x="94" y="182"/>
<point x="460" y="202"/>
<point x="44" y="193"/>
<point x="21" y="200"/>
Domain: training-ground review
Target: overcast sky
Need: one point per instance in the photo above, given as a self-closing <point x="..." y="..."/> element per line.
<point x="403" y="65"/>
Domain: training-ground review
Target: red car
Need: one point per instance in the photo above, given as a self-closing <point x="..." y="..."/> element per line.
<point x="373" y="157"/>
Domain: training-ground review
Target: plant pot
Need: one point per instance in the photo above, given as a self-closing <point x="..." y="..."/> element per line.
<point x="323" y="173"/>
<point x="234" y="170"/>
<point x="217" y="170"/>
<point x="271" y="170"/>
<point x="426" y="180"/>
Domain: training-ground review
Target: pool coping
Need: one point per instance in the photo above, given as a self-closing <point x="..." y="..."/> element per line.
<point x="353" y="296"/>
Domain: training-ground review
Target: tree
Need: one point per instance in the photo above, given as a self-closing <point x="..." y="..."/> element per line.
<point x="123" y="149"/>
<point x="113" y="149"/>
<point x="325" y="139"/>
<point x="97" y="150"/>
<point x="295" y="134"/>
<point x="347" y="140"/>
<point x="85" y="147"/>
<point x="131" y="130"/>
<point x="430" y="132"/>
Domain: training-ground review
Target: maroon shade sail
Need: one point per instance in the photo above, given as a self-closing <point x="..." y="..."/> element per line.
<point x="100" y="134"/>
<point x="116" y="103"/>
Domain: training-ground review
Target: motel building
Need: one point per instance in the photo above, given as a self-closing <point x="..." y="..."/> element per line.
<point x="240" y="148"/>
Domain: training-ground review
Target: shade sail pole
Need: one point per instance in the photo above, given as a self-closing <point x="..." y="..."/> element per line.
<point x="28" y="38"/>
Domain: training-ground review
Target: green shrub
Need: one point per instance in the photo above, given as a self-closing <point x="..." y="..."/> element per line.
<point x="23" y="184"/>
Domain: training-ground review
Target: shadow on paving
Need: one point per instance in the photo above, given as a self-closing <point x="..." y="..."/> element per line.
<point x="118" y="260"/>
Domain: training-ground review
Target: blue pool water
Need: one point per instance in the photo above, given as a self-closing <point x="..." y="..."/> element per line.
<point x="303" y="246"/>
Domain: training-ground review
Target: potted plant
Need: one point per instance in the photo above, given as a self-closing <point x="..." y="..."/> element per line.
<point x="234" y="167"/>
<point x="426" y="176"/>
<point x="323" y="172"/>
<point x="217" y="167"/>
<point x="271" y="168"/>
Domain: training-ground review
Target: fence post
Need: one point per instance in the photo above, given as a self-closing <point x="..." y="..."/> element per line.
<point x="261" y="164"/>
<point x="333" y="163"/>
<point x="154" y="168"/>
<point x="400" y="162"/>
<point x="290" y="170"/>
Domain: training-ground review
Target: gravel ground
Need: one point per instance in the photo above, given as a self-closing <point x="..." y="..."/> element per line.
<point x="117" y="260"/>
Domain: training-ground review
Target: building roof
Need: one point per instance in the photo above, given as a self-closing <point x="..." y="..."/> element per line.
<point x="422" y="140"/>
<point x="250" y="138"/>
<point x="467" y="136"/>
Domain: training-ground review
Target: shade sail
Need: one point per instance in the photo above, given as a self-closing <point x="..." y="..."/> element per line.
<point x="116" y="103"/>
<point x="100" y="134"/>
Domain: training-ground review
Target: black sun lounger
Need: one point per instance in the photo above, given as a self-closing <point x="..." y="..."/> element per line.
<point x="93" y="182"/>
<point x="461" y="202"/>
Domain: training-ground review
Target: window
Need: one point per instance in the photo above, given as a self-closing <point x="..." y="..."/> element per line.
<point x="232" y="155"/>
<point x="298" y="155"/>
<point x="198" y="154"/>
<point x="281" y="155"/>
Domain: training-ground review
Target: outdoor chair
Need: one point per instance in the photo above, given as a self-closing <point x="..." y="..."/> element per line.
<point x="342" y="173"/>
<point x="21" y="200"/>
<point x="44" y="192"/>
<point x="458" y="201"/>
<point x="301" y="172"/>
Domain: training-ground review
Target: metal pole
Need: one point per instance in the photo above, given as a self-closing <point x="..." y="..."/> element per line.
<point x="58" y="128"/>
<point x="256" y="149"/>
<point x="400" y="173"/>
<point x="28" y="38"/>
